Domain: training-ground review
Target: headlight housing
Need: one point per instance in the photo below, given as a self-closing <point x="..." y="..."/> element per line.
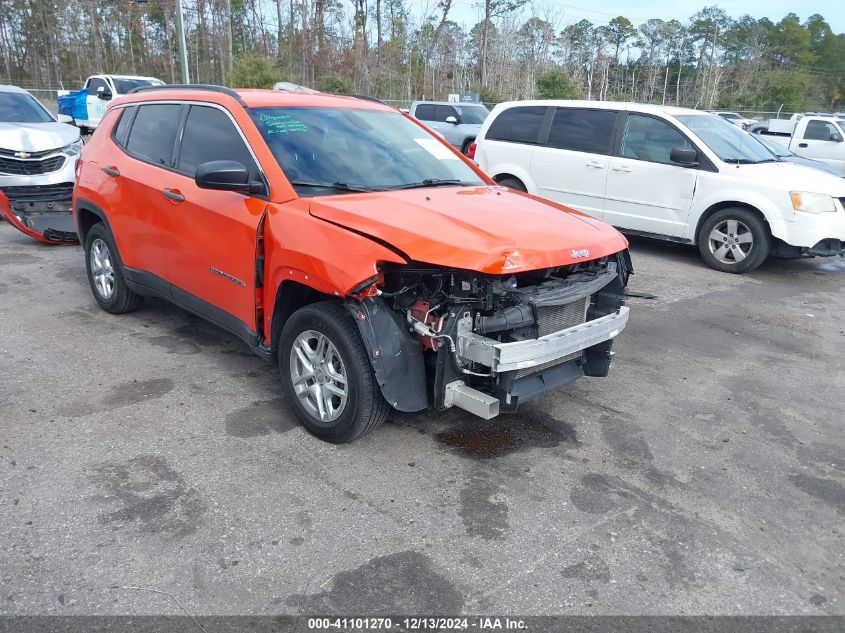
<point x="812" y="202"/>
<point x="73" y="149"/>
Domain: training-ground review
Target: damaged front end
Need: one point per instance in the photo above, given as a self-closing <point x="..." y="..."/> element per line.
<point x="440" y="338"/>
<point x="41" y="211"/>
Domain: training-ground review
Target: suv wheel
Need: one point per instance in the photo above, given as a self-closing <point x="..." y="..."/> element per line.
<point x="734" y="241"/>
<point x="327" y="376"/>
<point x="104" y="273"/>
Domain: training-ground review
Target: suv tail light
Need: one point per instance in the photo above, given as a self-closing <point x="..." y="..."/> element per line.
<point x="471" y="151"/>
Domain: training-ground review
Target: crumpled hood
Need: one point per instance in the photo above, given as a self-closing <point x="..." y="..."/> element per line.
<point x="36" y="137"/>
<point x="487" y="229"/>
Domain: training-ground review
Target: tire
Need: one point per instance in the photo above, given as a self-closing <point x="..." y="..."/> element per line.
<point x="734" y="240"/>
<point x="345" y="418"/>
<point x="466" y="144"/>
<point x="104" y="274"/>
<point x="512" y="183"/>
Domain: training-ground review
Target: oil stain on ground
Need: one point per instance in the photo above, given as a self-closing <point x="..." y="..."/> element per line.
<point x="507" y="434"/>
<point x="137" y="391"/>
<point x="827" y="490"/>
<point x="259" y="418"/>
<point x="151" y="495"/>
<point x="404" y="582"/>
<point x="626" y="441"/>
<point x="484" y="508"/>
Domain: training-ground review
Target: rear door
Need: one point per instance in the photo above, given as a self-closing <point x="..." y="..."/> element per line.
<point x="646" y="191"/>
<point x="570" y="166"/>
<point x="211" y="245"/>
<point x="821" y="139"/>
<point x="139" y="214"/>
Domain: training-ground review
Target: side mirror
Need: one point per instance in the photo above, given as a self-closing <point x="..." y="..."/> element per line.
<point x="451" y="119"/>
<point x="104" y="93"/>
<point x="64" y="118"/>
<point x="225" y="175"/>
<point x="685" y="156"/>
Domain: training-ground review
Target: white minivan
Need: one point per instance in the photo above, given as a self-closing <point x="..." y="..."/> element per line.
<point x="672" y="173"/>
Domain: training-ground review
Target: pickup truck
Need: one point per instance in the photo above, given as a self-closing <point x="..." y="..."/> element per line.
<point x="813" y="136"/>
<point x="87" y="106"/>
<point x="458" y="123"/>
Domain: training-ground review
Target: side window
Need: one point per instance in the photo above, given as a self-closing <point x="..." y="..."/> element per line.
<point x="425" y="112"/>
<point x="154" y="132"/>
<point x="819" y="131"/>
<point x="582" y="130"/>
<point x="518" y="125"/>
<point x="121" y="130"/>
<point x="647" y="138"/>
<point x="210" y="135"/>
<point x="94" y="84"/>
<point x="444" y="111"/>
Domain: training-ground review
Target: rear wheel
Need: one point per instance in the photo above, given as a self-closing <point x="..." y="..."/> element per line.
<point x="466" y="144"/>
<point x="512" y="183"/>
<point x="327" y="376"/>
<point x="104" y="273"/>
<point x="734" y="241"/>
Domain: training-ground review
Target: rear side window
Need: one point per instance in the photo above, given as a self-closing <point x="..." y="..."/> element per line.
<point x="518" y="125"/>
<point x="121" y="130"/>
<point x="210" y="135"/>
<point x="582" y="130"/>
<point x="153" y="133"/>
<point x="425" y="112"/>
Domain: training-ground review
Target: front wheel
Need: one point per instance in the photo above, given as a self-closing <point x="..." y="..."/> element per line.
<point x="105" y="275"/>
<point x="326" y="374"/>
<point x="734" y="241"/>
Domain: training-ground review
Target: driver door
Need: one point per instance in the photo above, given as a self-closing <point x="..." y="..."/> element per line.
<point x="822" y="140"/>
<point x="95" y="105"/>
<point x="646" y="191"/>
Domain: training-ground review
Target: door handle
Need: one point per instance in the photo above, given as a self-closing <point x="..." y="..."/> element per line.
<point x="173" y="194"/>
<point x="595" y="164"/>
<point x="803" y="145"/>
<point x="112" y="171"/>
<point x="624" y="168"/>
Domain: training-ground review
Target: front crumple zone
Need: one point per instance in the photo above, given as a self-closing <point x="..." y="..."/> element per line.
<point x="42" y="212"/>
<point x="442" y="337"/>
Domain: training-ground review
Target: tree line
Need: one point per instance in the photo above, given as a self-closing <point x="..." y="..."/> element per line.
<point x="406" y="49"/>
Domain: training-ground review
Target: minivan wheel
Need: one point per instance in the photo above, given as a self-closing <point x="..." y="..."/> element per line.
<point x="104" y="274"/>
<point x="734" y="241"/>
<point x="512" y="183"/>
<point x="327" y="376"/>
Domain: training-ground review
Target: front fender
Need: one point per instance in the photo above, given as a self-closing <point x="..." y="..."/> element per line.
<point x="777" y="216"/>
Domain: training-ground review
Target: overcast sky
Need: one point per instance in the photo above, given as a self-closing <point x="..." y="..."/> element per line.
<point x="601" y="11"/>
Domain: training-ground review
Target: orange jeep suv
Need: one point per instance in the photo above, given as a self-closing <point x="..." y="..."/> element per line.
<point x="344" y="241"/>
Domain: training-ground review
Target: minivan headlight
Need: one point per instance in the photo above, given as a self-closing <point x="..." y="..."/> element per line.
<point x="73" y="149"/>
<point x="812" y="202"/>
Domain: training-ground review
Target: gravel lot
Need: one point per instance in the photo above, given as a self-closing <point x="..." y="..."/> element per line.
<point x="706" y="475"/>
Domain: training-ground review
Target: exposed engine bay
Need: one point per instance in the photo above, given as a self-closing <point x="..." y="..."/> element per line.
<point x="486" y="342"/>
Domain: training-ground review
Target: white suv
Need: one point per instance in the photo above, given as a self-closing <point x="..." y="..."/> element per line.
<point x="671" y="173"/>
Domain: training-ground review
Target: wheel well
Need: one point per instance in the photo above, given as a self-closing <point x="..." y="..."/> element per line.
<point x="728" y="205"/>
<point x="500" y="177"/>
<point x="469" y="140"/>
<point x="290" y="297"/>
<point x="86" y="219"/>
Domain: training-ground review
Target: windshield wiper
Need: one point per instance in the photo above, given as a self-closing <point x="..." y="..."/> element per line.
<point x="337" y="186"/>
<point x="748" y="161"/>
<point x="432" y="182"/>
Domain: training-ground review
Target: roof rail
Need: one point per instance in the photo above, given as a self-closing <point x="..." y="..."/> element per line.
<point x="211" y="88"/>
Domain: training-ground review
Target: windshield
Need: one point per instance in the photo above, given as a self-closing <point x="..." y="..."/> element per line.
<point x="20" y="107"/>
<point x="331" y="150"/>
<point x="124" y="86"/>
<point x="474" y="114"/>
<point x="727" y="141"/>
<point x="773" y="146"/>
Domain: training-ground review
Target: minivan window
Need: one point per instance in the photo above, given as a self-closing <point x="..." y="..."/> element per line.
<point x="582" y="130"/>
<point x="518" y="125"/>
<point x="153" y="133"/>
<point x="650" y="139"/>
<point x="726" y="140"/>
<point x="210" y="135"/>
<point x="313" y="146"/>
